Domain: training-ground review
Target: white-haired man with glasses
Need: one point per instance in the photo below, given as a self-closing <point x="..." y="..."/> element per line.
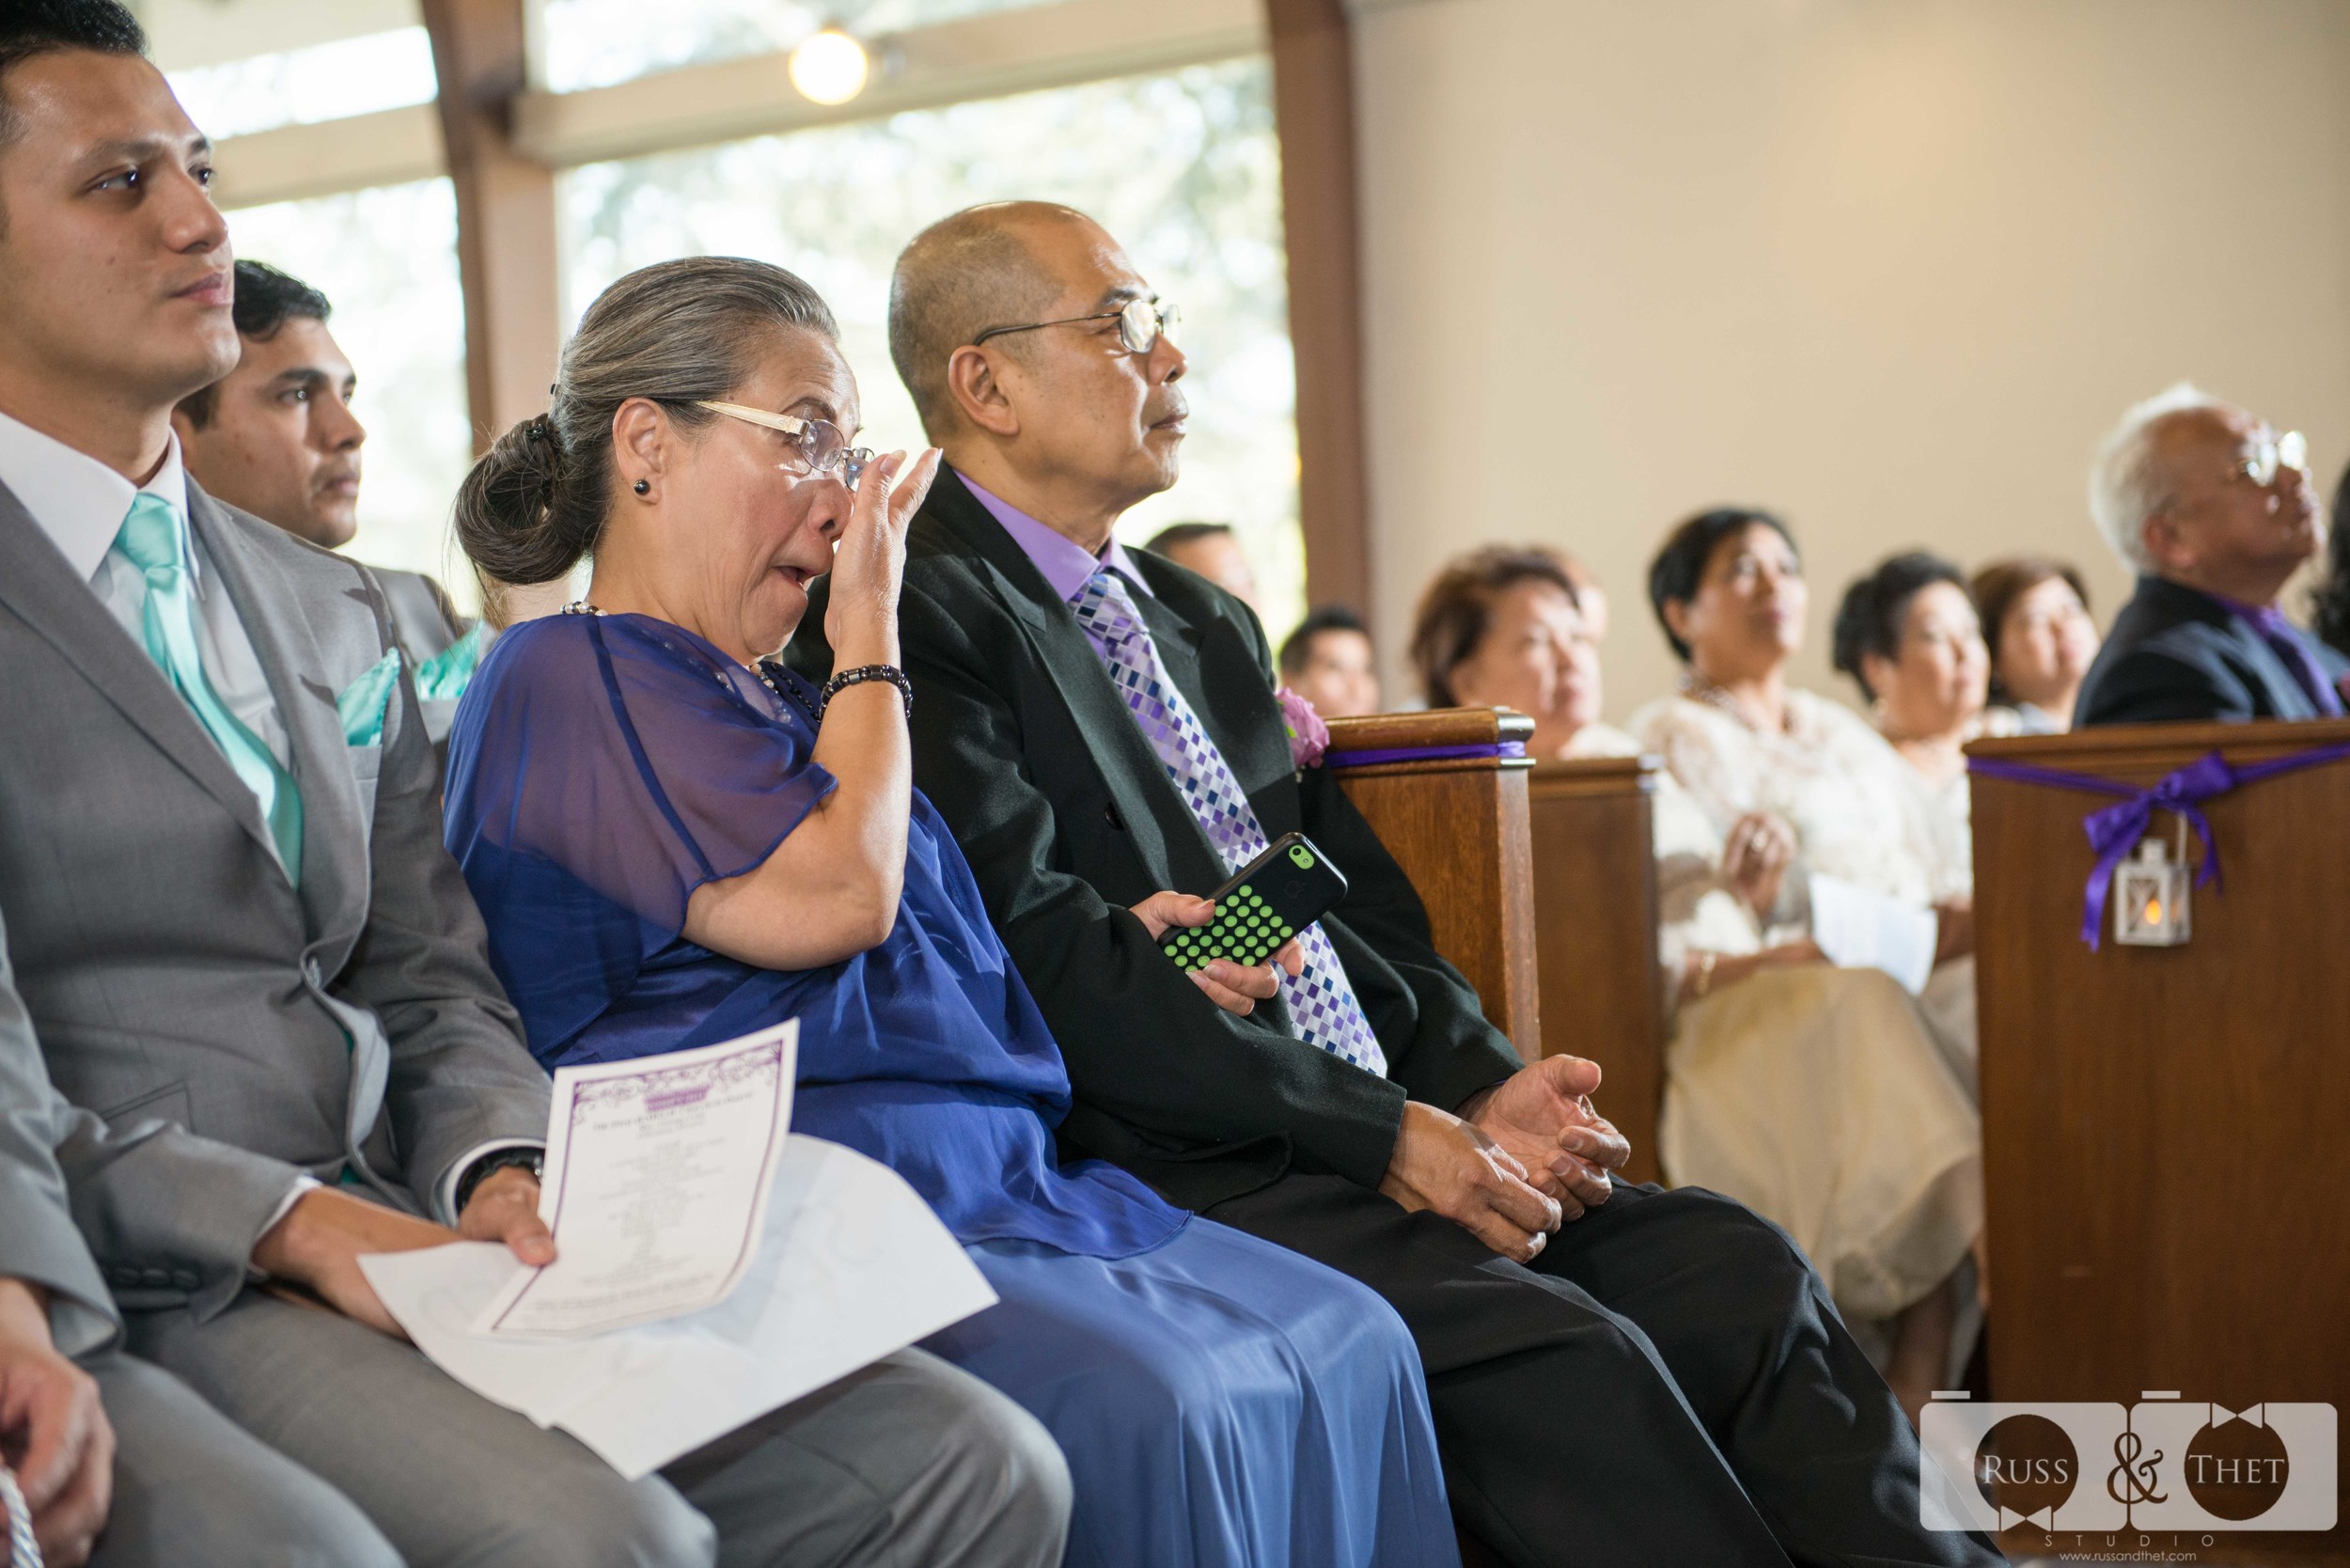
<point x="2215" y="511"/>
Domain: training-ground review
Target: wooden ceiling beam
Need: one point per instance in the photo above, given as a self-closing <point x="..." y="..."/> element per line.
<point x="1313" y="103"/>
<point x="506" y="233"/>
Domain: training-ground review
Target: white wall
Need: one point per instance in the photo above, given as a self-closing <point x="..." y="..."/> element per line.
<point x="1891" y="267"/>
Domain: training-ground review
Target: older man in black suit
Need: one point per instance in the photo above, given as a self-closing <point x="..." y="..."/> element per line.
<point x="1619" y="1374"/>
<point x="2215" y="511"/>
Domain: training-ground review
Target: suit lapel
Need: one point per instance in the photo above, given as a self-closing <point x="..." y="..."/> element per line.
<point x="2286" y="693"/>
<point x="37" y="584"/>
<point x="2280" y="688"/>
<point x="1162" y="828"/>
<point x="334" y="855"/>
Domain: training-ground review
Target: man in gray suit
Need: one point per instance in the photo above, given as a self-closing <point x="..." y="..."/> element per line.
<point x="277" y="437"/>
<point x="184" y="1484"/>
<point x="231" y="912"/>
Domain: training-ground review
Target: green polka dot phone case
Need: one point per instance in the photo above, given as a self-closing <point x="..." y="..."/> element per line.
<point x="1270" y="900"/>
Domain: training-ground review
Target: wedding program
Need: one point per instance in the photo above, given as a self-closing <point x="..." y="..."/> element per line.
<point x="657" y="1177"/>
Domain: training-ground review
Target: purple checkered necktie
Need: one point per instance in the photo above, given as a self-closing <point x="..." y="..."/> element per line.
<point x="1322" y="1004"/>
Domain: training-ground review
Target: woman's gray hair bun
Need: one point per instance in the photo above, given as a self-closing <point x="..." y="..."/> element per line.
<point x="677" y="333"/>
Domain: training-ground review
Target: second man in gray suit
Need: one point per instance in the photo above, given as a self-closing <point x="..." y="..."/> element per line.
<point x="277" y="437"/>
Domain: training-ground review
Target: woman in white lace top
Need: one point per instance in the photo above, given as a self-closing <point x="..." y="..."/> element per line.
<point x="1908" y="635"/>
<point x="1825" y="1098"/>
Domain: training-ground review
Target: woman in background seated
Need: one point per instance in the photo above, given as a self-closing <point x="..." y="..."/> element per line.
<point x="1908" y="636"/>
<point x="1728" y="591"/>
<point x="675" y="841"/>
<point x="1504" y="627"/>
<point x="1813" y="1094"/>
<point x="2036" y="617"/>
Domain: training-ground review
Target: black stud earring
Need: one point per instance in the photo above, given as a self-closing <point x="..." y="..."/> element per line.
<point x="644" y="487"/>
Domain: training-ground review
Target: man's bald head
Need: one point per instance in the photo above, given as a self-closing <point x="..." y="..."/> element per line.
<point x="963" y="275"/>
<point x="1071" y="425"/>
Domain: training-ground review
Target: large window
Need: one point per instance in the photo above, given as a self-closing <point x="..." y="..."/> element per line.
<point x="594" y="43"/>
<point x="1184" y="169"/>
<point x="387" y="260"/>
<point x="303" y="86"/>
<point x="1181" y="165"/>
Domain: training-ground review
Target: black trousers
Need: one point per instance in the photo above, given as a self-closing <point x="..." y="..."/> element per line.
<point x="1667" y="1386"/>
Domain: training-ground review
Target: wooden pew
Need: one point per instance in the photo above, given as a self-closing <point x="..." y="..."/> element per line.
<point x="1540" y="888"/>
<point x="2167" y="1130"/>
<point x="1546" y="899"/>
<point x="1594" y="875"/>
<point x="1458" y="828"/>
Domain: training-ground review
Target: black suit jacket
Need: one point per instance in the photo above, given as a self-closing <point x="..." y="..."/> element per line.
<point x="1066" y="818"/>
<point x="2176" y="653"/>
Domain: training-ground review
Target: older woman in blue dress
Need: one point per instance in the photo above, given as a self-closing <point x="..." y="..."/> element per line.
<point x="674" y="840"/>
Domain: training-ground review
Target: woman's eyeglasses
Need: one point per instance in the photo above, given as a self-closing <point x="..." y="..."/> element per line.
<point x="821" y="445"/>
<point x="1141" y="324"/>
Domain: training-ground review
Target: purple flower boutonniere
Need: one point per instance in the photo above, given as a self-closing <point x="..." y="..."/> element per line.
<point x="1308" y="736"/>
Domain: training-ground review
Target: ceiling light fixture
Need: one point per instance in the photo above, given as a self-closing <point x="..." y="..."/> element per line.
<point x="830" y="67"/>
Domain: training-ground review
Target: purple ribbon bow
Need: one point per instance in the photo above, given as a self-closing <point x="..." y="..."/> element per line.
<point x="2115" y="830"/>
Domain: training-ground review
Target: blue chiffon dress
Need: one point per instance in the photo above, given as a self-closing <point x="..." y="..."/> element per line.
<point x="1220" y="1400"/>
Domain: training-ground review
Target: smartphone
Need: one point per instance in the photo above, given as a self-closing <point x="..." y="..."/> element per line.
<point x="1267" y="901"/>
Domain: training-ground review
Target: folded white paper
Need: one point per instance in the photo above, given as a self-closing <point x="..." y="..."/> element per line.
<point x="657" y="1175"/>
<point x="1858" y="929"/>
<point x="851" y="1266"/>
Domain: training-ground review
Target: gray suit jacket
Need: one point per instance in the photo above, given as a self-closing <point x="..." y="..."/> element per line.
<point x="350" y="1030"/>
<point x="38" y="1241"/>
<point x="426" y="624"/>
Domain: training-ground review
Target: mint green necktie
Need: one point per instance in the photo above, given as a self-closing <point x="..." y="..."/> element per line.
<point x="150" y="541"/>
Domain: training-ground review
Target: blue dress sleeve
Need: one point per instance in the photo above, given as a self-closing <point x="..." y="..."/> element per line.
<point x="600" y="769"/>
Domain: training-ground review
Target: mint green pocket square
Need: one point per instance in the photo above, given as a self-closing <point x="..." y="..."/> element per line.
<point x="365" y="701"/>
<point x="443" y="677"/>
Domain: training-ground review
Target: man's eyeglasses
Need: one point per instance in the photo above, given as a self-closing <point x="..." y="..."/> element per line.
<point x="820" y="443"/>
<point x="2260" y="459"/>
<point x="1141" y="324"/>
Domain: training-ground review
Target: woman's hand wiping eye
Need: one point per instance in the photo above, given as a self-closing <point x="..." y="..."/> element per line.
<point x="868" y="562"/>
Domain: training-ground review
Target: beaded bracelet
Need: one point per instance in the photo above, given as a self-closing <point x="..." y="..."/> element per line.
<point x="863" y="673"/>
